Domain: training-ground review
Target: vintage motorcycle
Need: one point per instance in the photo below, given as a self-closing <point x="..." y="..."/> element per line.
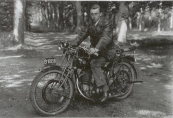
<point x="54" y="88"/>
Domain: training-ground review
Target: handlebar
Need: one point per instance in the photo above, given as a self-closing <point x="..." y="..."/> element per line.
<point x="88" y="51"/>
<point x="66" y="46"/>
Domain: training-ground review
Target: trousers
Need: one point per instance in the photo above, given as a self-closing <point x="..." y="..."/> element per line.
<point x="97" y="72"/>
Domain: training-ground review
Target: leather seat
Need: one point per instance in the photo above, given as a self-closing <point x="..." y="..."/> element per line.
<point x="127" y="48"/>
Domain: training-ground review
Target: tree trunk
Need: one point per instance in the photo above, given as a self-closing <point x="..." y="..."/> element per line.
<point x="171" y="20"/>
<point x="19" y="21"/>
<point x="55" y="15"/>
<point x="48" y="13"/>
<point x="160" y="15"/>
<point x="61" y="17"/>
<point x="159" y="21"/>
<point x="24" y="16"/>
<point x="79" y="15"/>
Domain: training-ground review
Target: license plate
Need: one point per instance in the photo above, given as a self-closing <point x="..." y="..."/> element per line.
<point x="49" y="61"/>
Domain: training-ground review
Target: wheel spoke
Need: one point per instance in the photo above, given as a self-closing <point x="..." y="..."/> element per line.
<point x="52" y="94"/>
<point x="123" y="73"/>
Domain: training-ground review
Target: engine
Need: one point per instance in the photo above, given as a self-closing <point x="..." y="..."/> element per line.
<point x="83" y="59"/>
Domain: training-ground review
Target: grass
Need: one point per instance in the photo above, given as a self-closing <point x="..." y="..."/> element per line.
<point x="29" y="50"/>
<point x="10" y="47"/>
<point x="148" y="42"/>
<point x="29" y="53"/>
<point x="6" y="39"/>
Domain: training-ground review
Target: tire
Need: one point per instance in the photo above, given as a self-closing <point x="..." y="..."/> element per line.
<point x="130" y="73"/>
<point x="59" y="99"/>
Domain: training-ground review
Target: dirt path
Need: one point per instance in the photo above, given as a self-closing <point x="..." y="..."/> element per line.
<point x="152" y="98"/>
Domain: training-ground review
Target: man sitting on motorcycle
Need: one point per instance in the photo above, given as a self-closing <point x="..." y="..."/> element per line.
<point x="100" y="31"/>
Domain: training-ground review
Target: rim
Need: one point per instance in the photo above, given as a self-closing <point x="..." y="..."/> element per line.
<point x="50" y="96"/>
<point x="124" y="76"/>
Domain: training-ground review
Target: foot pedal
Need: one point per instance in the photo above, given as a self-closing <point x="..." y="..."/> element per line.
<point x="134" y="82"/>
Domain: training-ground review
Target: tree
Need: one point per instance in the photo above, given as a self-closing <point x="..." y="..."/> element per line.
<point x="28" y="16"/>
<point x="61" y="16"/>
<point x="19" y="21"/>
<point x="79" y="15"/>
<point x="6" y="15"/>
<point x="55" y="14"/>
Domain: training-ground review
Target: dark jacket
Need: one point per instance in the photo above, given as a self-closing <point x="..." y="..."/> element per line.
<point x="100" y="38"/>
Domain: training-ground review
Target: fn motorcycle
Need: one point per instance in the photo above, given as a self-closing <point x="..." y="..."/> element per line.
<point x="55" y="86"/>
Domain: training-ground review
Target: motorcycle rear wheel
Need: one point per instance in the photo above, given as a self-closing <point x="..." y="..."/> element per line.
<point x="48" y="97"/>
<point x="128" y="71"/>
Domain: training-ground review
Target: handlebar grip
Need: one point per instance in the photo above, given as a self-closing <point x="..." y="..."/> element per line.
<point x="60" y="47"/>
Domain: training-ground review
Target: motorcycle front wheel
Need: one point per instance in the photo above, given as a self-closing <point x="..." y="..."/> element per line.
<point x="51" y="93"/>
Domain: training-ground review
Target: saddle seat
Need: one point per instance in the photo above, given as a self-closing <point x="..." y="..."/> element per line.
<point x="122" y="48"/>
<point x="128" y="48"/>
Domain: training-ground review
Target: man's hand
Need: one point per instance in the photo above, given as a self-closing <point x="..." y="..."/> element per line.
<point x="94" y="51"/>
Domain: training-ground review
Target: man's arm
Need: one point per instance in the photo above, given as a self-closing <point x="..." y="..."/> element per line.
<point x="81" y="37"/>
<point x="106" y="37"/>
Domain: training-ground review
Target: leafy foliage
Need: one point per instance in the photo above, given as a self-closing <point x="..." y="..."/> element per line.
<point x="28" y="15"/>
<point x="6" y="15"/>
<point x="62" y="15"/>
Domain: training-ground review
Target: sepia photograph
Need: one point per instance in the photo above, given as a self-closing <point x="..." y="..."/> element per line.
<point x="86" y="58"/>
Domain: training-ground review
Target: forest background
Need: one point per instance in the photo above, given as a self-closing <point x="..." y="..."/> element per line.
<point x="20" y="16"/>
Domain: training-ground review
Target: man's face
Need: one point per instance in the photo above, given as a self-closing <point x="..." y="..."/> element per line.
<point x="95" y="14"/>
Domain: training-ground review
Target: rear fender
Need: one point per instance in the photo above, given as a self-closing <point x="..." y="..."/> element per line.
<point x="127" y="60"/>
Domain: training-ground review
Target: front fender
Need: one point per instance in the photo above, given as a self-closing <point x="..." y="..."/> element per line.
<point x="47" y="68"/>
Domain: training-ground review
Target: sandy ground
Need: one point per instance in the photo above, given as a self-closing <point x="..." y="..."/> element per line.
<point x="152" y="98"/>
